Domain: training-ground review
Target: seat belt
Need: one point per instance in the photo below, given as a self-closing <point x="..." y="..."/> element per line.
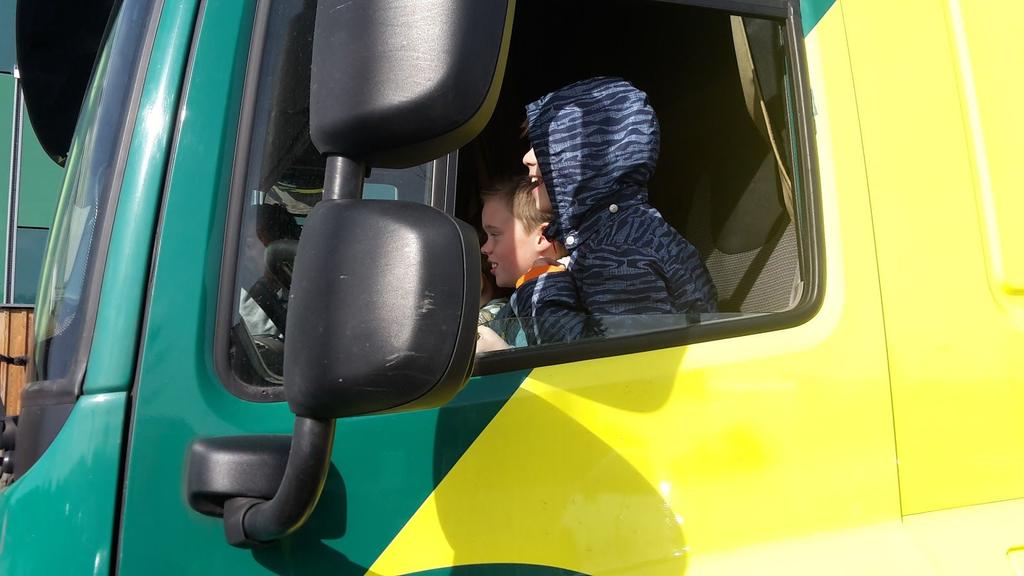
<point x="756" y="106"/>
<point x="758" y="111"/>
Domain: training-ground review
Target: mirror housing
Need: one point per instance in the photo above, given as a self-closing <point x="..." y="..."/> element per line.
<point x="384" y="294"/>
<point x="383" y="318"/>
<point x="395" y="84"/>
<point x="383" y="315"/>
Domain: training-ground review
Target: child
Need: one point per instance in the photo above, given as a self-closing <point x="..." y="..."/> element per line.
<point x="595" y="146"/>
<point x="521" y="257"/>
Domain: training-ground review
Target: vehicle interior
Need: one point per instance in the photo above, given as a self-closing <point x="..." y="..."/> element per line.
<point x="720" y="85"/>
<point x="717" y="179"/>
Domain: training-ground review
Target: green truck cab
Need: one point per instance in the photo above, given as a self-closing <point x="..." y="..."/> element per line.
<point x="212" y="393"/>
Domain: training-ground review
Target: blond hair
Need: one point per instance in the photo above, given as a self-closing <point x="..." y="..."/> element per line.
<point x="517" y="193"/>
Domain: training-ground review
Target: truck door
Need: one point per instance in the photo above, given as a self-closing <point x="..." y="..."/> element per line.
<point x="196" y="381"/>
<point x="945" y="192"/>
<point x="747" y="440"/>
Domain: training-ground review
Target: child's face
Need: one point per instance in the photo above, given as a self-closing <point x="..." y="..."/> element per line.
<point x="510" y="250"/>
<point x="540" y="193"/>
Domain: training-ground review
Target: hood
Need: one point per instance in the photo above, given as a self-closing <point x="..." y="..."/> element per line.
<point x="597" y="144"/>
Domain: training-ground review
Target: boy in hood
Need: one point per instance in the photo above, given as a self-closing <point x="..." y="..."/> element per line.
<point x="595" y="144"/>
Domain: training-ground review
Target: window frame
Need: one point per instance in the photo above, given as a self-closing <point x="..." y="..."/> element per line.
<point x="443" y="193"/>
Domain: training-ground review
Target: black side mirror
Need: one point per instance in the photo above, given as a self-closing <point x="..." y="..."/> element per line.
<point x="383" y="294"/>
<point x="383" y="318"/>
<point x="398" y="83"/>
<point x="384" y="309"/>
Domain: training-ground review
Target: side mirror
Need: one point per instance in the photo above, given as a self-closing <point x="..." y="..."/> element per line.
<point x="399" y="83"/>
<point x="383" y="318"/>
<point x="383" y="293"/>
<point x="384" y="309"/>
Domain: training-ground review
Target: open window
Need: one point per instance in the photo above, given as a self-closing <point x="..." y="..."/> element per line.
<point x="734" y="174"/>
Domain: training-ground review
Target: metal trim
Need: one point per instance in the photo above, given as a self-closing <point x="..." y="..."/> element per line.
<point x="14" y="190"/>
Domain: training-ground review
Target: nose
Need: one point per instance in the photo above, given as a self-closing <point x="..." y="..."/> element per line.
<point x="486" y="248"/>
<point x="529" y="159"/>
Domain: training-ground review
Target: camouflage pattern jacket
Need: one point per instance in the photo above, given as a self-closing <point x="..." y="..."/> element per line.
<point x="597" y="144"/>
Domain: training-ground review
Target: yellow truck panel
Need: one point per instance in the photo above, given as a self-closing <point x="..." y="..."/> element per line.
<point x="956" y="396"/>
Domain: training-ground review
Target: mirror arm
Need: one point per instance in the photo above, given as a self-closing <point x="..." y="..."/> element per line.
<point x="343" y="179"/>
<point x="250" y="522"/>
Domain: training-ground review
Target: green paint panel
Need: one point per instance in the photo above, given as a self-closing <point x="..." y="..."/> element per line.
<point x="119" y="321"/>
<point x="811" y="11"/>
<point x="59" y="517"/>
<point x="177" y="398"/>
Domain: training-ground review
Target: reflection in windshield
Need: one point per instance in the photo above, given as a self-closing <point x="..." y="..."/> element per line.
<point x="67" y="280"/>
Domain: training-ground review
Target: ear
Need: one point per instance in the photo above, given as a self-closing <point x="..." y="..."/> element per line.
<point x="542" y="241"/>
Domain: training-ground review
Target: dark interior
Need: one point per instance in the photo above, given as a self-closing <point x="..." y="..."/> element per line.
<point x="683" y="57"/>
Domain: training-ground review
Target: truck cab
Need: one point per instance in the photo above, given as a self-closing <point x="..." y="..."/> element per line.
<point x="254" y="349"/>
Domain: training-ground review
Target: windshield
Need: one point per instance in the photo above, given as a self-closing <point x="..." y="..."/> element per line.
<point x="68" y="284"/>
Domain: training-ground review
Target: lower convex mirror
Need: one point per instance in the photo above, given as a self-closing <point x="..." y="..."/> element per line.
<point x="384" y="306"/>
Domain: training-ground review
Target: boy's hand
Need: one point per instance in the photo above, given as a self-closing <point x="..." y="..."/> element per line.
<point x="487" y="340"/>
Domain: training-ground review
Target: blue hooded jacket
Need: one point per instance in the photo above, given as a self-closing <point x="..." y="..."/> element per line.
<point x="597" y="144"/>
